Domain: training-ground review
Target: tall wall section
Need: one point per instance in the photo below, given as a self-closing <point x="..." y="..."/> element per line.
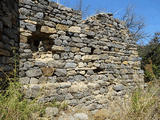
<point x="9" y="36"/>
<point x="86" y="63"/>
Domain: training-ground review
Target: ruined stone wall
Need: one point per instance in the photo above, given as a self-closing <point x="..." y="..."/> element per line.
<point x="9" y="35"/>
<point x="83" y="62"/>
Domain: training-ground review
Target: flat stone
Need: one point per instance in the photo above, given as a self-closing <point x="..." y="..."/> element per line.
<point x="34" y="72"/>
<point x="75" y="29"/>
<point x="70" y="65"/>
<point x="46" y="29"/>
<point x="75" y="49"/>
<point x="28" y="65"/>
<point x="34" y="81"/>
<point x="47" y="71"/>
<point x="76" y="39"/>
<point x="62" y="27"/>
<point x="4" y="52"/>
<point x="90" y="57"/>
<point x="119" y="87"/>
<point x="57" y="48"/>
<point x="39" y="15"/>
<point x="125" y="62"/>
<point x="24" y="11"/>
<point x="43" y="79"/>
<point x="52" y="79"/>
<point x="81" y="116"/>
<point x="23" y="39"/>
<point x="51" y="111"/>
<point x="33" y="91"/>
<point x="86" y="50"/>
<point x="65" y="84"/>
<point x="79" y="78"/>
<point x="56" y="64"/>
<point x="61" y="72"/>
<point x="24" y="80"/>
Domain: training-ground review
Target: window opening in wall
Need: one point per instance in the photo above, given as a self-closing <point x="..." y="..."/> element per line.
<point x="40" y="42"/>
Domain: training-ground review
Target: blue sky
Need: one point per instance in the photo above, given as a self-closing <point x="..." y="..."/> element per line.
<point x="148" y="9"/>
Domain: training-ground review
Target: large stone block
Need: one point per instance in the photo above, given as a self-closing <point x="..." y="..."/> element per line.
<point x="46" y="29"/>
<point x="34" y="72"/>
<point x="90" y="57"/>
<point x="57" y="48"/>
<point x="75" y="29"/>
<point x="62" y="27"/>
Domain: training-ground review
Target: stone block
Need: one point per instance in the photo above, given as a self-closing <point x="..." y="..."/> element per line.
<point x="90" y="57"/>
<point x="70" y="65"/>
<point x="57" y="48"/>
<point x="61" y="72"/>
<point x="4" y="52"/>
<point x="51" y="112"/>
<point x="24" y="80"/>
<point x="47" y="71"/>
<point x="75" y="29"/>
<point x="34" y="72"/>
<point x="46" y="29"/>
<point x="23" y="39"/>
<point x="119" y="87"/>
<point x="34" y="81"/>
<point x="62" y="27"/>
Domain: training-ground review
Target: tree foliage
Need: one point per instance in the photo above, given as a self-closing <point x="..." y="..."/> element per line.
<point x="150" y="54"/>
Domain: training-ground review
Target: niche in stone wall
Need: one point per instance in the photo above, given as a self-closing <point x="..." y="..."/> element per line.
<point x="40" y="42"/>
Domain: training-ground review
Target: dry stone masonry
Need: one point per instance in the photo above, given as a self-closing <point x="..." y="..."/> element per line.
<point x="9" y="35"/>
<point x="87" y="63"/>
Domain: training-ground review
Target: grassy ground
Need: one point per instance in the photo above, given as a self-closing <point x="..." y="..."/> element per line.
<point x="143" y="105"/>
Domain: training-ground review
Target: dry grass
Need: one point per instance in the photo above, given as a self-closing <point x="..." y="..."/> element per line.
<point x="143" y="105"/>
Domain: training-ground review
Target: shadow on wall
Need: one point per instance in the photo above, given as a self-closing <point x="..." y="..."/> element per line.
<point x="9" y="37"/>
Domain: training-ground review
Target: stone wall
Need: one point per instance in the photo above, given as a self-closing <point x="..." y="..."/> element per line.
<point x="9" y="35"/>
<point x="86" y="63"/>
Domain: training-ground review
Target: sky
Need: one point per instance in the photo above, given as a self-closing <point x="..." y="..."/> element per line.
<point x="149" y="10"/>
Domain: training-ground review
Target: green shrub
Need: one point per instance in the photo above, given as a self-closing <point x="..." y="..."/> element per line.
<point x="13" y="106"/>
<point x="148" y="76"/>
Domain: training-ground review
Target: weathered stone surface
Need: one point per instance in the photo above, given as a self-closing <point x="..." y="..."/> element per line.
<point x="33" y="91"/>
<point x="34" y="81"/>
<point x="57" y="48"/>
<point x="75" y="29"/>
<point x="31" y="27"/>
<point x="119" y="87"/>
<point x="4" y="52"/>
<point x="24" y="80"/>
<point x="39" y="15"/>
<point x="90" y="57"/>
<point x="46" y="29"/>
<point x="47" y="71"/>
<point x="81" y="116"/>
<point x="24" y="11"/>
<point x="23" y="39"/>
<point x="60" y="72"/>
<point x="51" y="111"/>
<point x="62" y="27"/>
<point x="56" y="64"/>
<point x="70" y="65"/>
<point x="86" y="50"/>
<point x="34" y="72"/>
